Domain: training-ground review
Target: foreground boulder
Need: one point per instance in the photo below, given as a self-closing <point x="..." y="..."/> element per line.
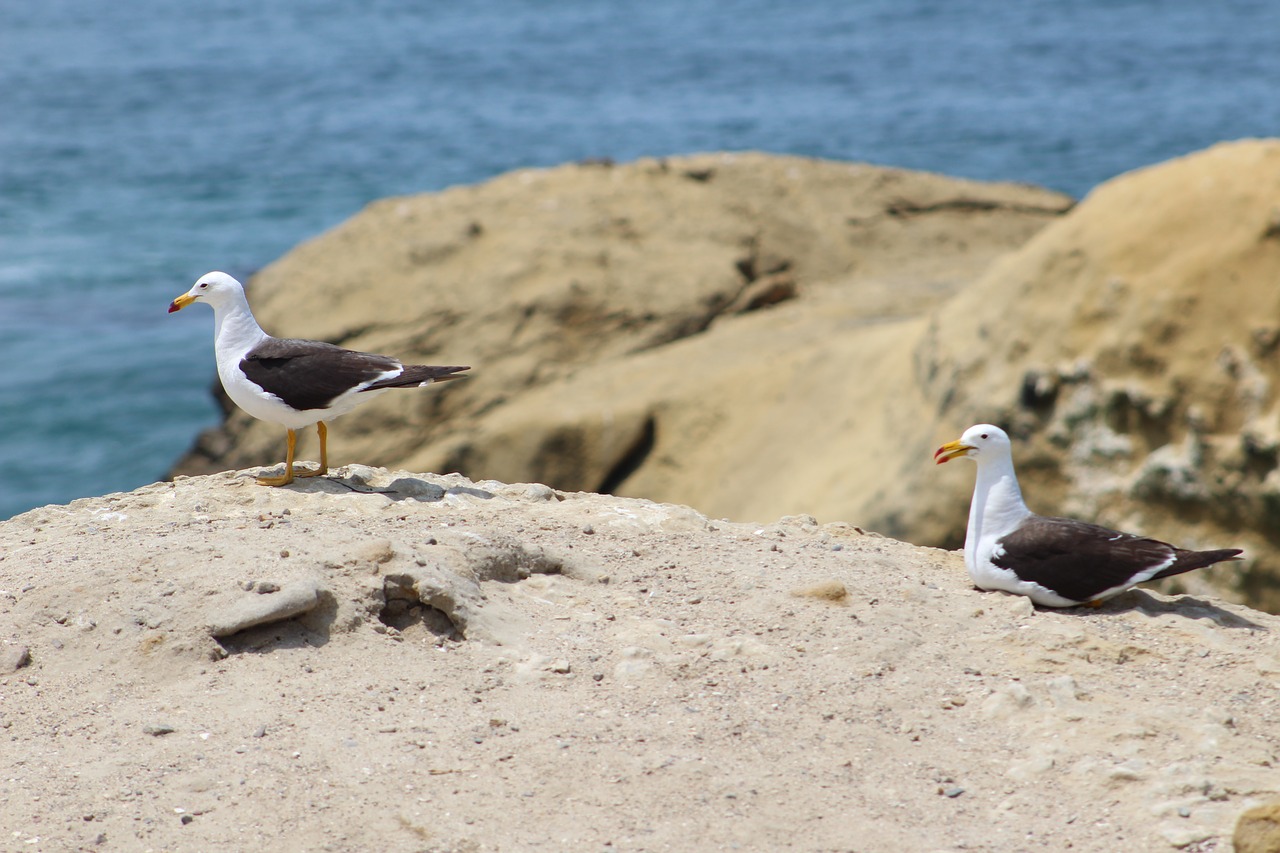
<point x="398" y="661"/>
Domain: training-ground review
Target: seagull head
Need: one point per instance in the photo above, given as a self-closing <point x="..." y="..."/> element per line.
<point x="978" y="441"/>
<point x="216" y="288"/>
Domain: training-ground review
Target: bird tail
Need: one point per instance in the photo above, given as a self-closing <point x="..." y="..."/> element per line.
<point x="415" y="375"/>
<point x="1187" y="561"/>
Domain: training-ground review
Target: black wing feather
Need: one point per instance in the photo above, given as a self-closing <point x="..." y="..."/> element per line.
<point x="416" y="374"/>
<point x="310" y="374"/>
<point x="1079" y="560"/>
<point x="1190" y="560"/>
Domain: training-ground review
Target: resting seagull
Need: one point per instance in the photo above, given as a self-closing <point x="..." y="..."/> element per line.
<point x="291" y="382"/>
<point x="1056" y="562"/>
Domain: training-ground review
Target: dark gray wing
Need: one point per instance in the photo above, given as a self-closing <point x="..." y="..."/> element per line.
<point x="311" y="374"/>
<point x="1076" y="559"/>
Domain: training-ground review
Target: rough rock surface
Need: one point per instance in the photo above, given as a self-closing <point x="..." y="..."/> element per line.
<point x="498" y="667"/>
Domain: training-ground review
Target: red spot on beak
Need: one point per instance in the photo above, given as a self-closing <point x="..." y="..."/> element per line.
<point x="950" y="450"/>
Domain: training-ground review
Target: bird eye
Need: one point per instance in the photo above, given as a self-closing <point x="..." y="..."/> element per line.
<point x="984" y="435"/>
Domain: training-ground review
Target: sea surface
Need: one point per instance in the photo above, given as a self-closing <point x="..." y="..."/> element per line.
<point x="145" y="142"/>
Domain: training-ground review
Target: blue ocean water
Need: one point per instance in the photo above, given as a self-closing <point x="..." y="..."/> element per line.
<point x="144" y="142"/>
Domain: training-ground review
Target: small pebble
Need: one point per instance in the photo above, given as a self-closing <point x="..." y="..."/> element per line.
<point x="952" y="792"/>
<point x="539" y="492"/>
<point x="267" y="587"/>
<point x="158" y="730"/>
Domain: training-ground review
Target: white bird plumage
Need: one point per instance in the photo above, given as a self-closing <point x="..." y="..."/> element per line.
<point x="1056" y="562"/>
<point x="293" y="383"/>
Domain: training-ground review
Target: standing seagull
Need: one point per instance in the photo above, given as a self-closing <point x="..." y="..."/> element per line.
<point x="1056" y="562"/>
<point x="294" y="383"/>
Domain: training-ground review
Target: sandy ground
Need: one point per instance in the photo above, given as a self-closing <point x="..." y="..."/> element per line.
<point x="478" y="667"/>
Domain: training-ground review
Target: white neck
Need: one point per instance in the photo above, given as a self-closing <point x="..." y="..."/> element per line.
<point x="234" y="328"/>
<point x="997" y="508"/>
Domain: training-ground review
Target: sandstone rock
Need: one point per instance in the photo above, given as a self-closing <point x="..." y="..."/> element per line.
<point x="1258" y="830"/>
<point x="293" y="599"/>
<point x="448" y="576"/>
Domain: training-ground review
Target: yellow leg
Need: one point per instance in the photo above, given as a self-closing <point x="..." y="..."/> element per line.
<point x="324" y="452"/>
<point x="287" y="478"/>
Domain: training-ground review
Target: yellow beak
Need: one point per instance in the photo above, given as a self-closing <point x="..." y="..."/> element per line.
<point x="181" y="302"/>
<point x="951" y="450"/>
